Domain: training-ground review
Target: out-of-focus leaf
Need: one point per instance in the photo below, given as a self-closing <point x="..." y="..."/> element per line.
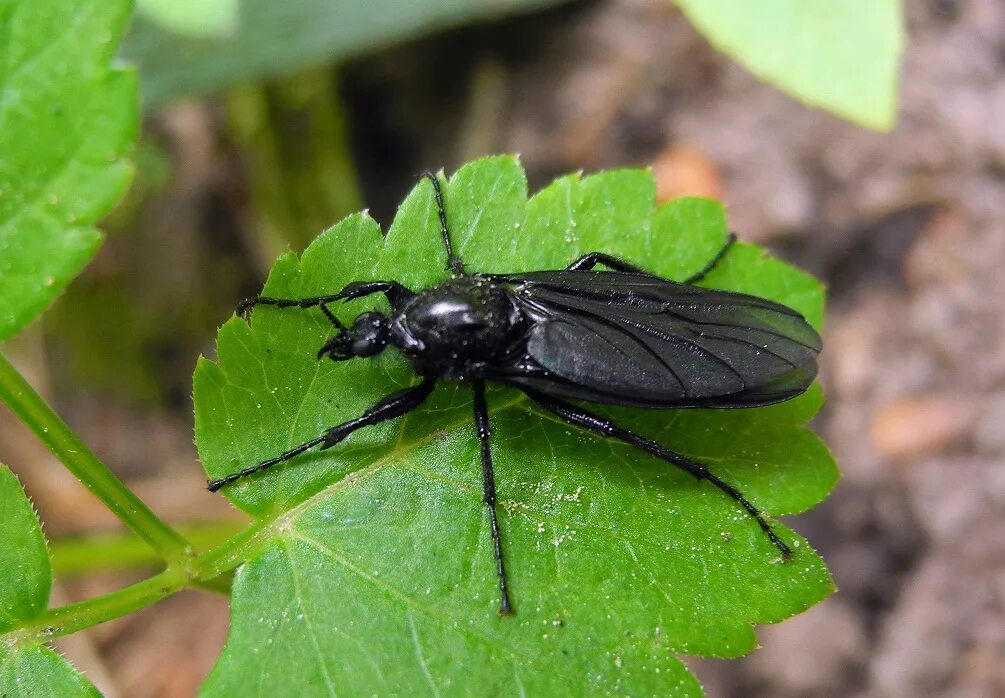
<point x="375" y="575"/>
<point x="272" y="37"/>
<point x="840" y="55"/>
<point x="67" y="121"/>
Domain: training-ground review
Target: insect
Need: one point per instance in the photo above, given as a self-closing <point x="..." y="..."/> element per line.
<point x="619" y="336"/>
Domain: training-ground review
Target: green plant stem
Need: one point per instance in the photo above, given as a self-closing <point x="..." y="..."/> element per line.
<point x="75" y="617"/>
<point x="29" y="407"/>
<point x="234" y="551"/>
<point x="123" y="551"/>
<point x="211" y="571"/>
<point x="216" y="585"/>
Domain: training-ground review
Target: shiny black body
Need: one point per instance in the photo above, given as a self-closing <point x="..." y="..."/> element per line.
<point x="625" y="338"/>
<point x="621" y="336"/>
<point x="460" y="330"/>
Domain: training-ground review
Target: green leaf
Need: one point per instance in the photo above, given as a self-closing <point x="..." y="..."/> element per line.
<point x="271" y="38"/>
<point x="24" y="563"/>
<point x="840" y="56"/>
<point x="67" y="120"/>
<point x="373" y="572"/>
<point x="27" y="670"/>
<point x="37" y="671"/>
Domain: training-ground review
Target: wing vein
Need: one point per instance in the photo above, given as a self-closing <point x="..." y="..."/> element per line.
<point x="641" y="340"/>
<point x="666" y="336"/>
<point x="765" y="330"/>
<point x="645" y="347"/>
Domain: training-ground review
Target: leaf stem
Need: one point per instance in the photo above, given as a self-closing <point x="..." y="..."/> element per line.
<point x="74" y="556"/>
<point x="234" y="551"/>
<point x="78" y="616"/>
<point x="29" y="407"/>
<point x="210" y="572"/>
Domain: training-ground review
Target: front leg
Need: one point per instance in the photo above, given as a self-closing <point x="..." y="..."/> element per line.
<point x="394" y="292"/>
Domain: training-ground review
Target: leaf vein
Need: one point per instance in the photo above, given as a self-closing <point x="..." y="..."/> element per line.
<point x="420" y="656"/>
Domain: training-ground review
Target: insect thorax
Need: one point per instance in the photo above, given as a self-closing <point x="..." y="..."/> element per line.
<point x="453" y="329"/>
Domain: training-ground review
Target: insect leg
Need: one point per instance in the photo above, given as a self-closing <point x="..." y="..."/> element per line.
<point x="245" y="306"/>
<point x="215" y="485"/>
<point x="394" y="291"/>
<point x="582" y="418"/>
<point x="394" y="405"/>
<point x="489" y="483"/>
<point x="454" y="262"/>
<point x="588" y="261"/>
<point x="695" y="278"/>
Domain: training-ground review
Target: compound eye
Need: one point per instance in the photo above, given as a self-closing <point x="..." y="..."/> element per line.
<point x="370" y="333"/>
<point x="363" y="347"/>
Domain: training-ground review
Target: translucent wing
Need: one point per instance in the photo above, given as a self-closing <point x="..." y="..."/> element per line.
<point x="635" y="339"/>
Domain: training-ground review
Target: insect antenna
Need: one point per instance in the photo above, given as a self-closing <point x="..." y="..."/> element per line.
<point x="454" y="262"/>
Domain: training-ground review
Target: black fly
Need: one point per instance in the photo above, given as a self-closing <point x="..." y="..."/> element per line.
<point x="622" y="337"/>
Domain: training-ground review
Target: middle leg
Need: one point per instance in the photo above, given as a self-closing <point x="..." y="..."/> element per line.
<point x="391" y="407"/>
<point x="589" y="261"/>
<point x="711" y="264"/>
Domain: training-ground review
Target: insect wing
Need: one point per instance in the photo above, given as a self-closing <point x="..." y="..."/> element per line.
<point x="640" y="340"/>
